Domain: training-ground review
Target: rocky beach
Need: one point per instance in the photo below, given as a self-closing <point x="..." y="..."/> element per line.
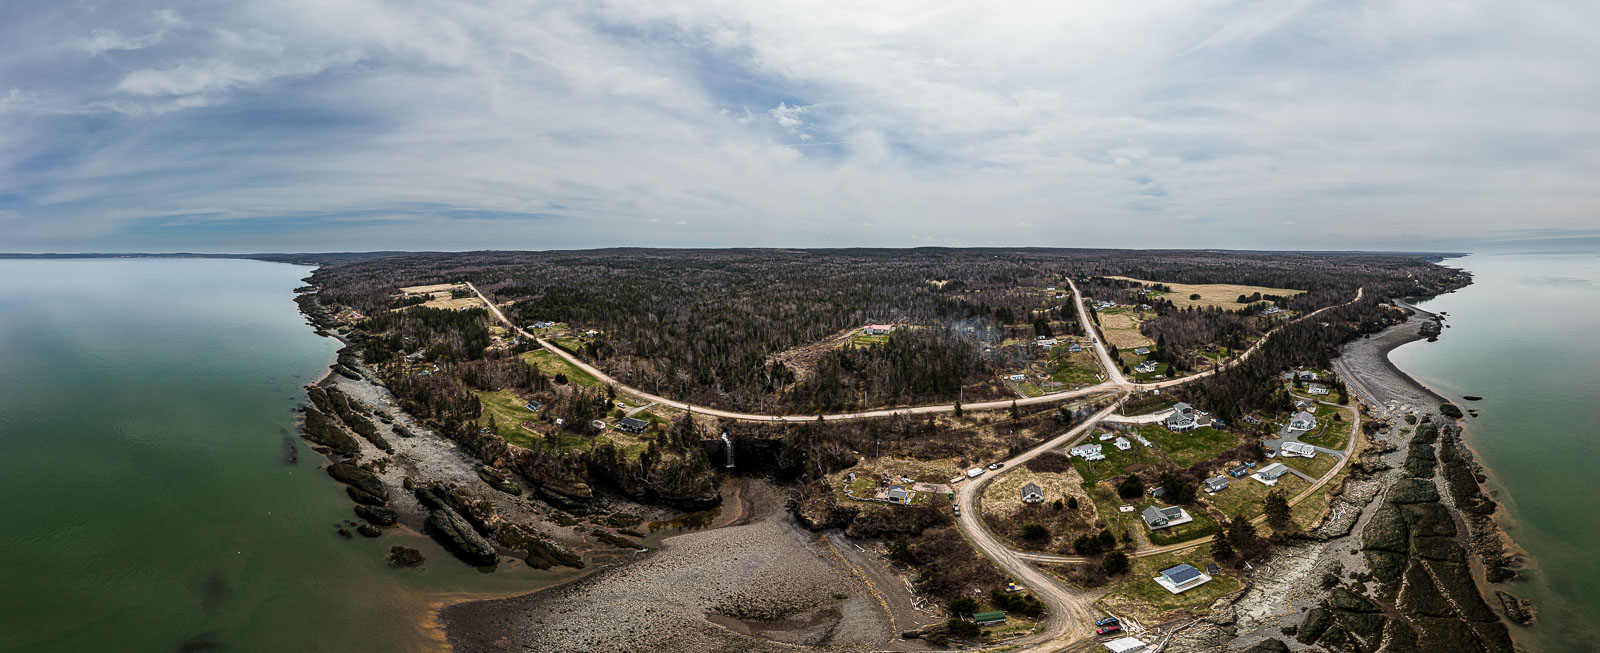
<point x="763" y="584"/>
<point x="1388" y="568"/>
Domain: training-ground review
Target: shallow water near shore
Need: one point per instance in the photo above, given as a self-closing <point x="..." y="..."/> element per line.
<point x="1523" y="336"/>
<point x="145" y="410"/>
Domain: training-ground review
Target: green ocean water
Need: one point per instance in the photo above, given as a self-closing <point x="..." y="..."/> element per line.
<point x="1526" y="337"/>
<point x="145" y="499"/>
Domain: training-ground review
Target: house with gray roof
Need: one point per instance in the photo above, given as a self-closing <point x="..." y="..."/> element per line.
<point x="1181" y="578"/>
<point x="1182" y="419"/>
<point x="1303" y="421"/>
<point x="1216" y="484"/>
<point x="1032" y="493"/>
<point x="1159" y="518"/>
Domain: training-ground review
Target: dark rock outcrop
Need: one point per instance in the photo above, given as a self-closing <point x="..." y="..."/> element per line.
<point x="457" y="535"/>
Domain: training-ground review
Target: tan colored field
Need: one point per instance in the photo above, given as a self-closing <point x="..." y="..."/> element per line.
<point x="1212" y="294"/>
<point x="440" y="296"/>
<point x="438" y="287"/>
<point x="1122" y="330"/>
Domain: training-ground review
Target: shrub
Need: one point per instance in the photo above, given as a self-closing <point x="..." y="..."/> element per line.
<point x="1116" y="562"/>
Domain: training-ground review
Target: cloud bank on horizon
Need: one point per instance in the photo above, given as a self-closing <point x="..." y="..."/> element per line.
<point x="314" y="125"/>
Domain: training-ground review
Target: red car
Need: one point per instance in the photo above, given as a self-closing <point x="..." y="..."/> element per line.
<point x="1109" y="630"/>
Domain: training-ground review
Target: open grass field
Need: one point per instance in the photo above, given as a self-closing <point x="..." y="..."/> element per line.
<point x="1121" y="328"/>
<point x="1139" y="595"/>
<point x="549" y="363"/>
<point x="864" y="340"/>
<point x="1222" y="295"/>
<point x="1116" y="463"/>
<point x="1074" y="369"/>
<point x="509" y="412"/>
<point x="1185" y="449"/>
<point x="1313" y="467"/>
<point x="1244" y="496"/>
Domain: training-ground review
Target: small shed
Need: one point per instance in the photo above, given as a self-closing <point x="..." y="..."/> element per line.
<point x="989" y="618"/>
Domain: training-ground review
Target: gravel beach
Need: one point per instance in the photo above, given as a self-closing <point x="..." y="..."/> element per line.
<point x="763" y="585"/>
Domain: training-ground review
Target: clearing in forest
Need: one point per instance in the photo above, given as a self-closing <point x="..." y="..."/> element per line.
<point x="1122" y="329"/>
<point x="439" y="296"/>
<point x="1222" y="295"/>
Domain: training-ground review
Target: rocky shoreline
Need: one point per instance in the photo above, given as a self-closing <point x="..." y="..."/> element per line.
<point x="761" y="584"/>
<point x="1414" y="505"/>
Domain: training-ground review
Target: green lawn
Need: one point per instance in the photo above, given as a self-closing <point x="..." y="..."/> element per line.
<point x="1329" y="432"/>
<point x="1116" y="461"/>
<point x="1313" y="467"/>
<point x="864" y="340"/>
<point x="1245" y="496"/>
<point x="508" y="411"/>
<point x="549" y="363"/>
<point x="1202" y="526"/>
<point x="1027" y="388"/>
<point x="1185" y="449"/>
<point x="1140" y="585"/>
<point x="1072" y="368"/>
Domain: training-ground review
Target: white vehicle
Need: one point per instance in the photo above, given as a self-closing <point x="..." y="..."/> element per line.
<point x="975" y="472"/>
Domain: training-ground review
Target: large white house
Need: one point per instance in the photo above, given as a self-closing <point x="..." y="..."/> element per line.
<point x="1301" y="449"/>
<point x="1303" y="421"/>
<point x="1182" y="419"/>
<point x="1087" y="452"/>
<point x="1270" y="474"/>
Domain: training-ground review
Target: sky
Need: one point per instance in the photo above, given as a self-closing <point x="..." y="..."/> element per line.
<point x="339" y="125"/>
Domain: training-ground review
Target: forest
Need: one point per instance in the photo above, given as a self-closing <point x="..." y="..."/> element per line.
<point x="708" y="326"/>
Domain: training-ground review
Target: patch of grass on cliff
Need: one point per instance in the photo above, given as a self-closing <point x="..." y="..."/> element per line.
<point x="1140" y="586"/>
<point x="1185" y="449"/>
<point x="509" y="411"/>
<point x="1313" y="467"/>
<point x="551" y="364"/>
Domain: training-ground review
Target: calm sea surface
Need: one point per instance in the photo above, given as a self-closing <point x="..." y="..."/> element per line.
<point x="1526" y="337"/>
<point x="145" y="499"/>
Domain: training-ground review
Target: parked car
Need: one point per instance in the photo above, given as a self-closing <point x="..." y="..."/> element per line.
<point x="958" y="511"/>
<point x="994" y="466"/>
<point x="1108" y="621"/>
<point x="1109" y="630"/>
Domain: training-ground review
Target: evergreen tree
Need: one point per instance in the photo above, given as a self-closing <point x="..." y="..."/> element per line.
<point x="1277" y="509"/>
<point x="1221" y="548"/>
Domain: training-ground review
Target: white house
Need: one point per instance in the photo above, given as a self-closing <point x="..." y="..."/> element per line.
<point x="877" y="329"/>
<point x="1302" y="421"/>
<point x="1032" y="493"/>
<point x="1017" y="378"/>
<point x="1181" y="578"/>
<point x="1317" y="389"/>
<point x="1087" y="452"/>
<point x="1123" y="444"/>
<point x="1126" y="645"/>
<point x="1301" y="449"/>
<point x="1182" y="419"/>
<point x="1270" y="474"/>
<point x="1141" y="350"/>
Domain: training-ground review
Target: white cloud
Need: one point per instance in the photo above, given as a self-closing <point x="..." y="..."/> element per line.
<point x="782" y="123"/>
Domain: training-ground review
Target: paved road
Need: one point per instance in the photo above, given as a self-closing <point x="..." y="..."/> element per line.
<point x="1000" y="404"/>
<point x="1113" y="370"/>
<point x="1117" y="382"/>
<point x="1070" y="613"/>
